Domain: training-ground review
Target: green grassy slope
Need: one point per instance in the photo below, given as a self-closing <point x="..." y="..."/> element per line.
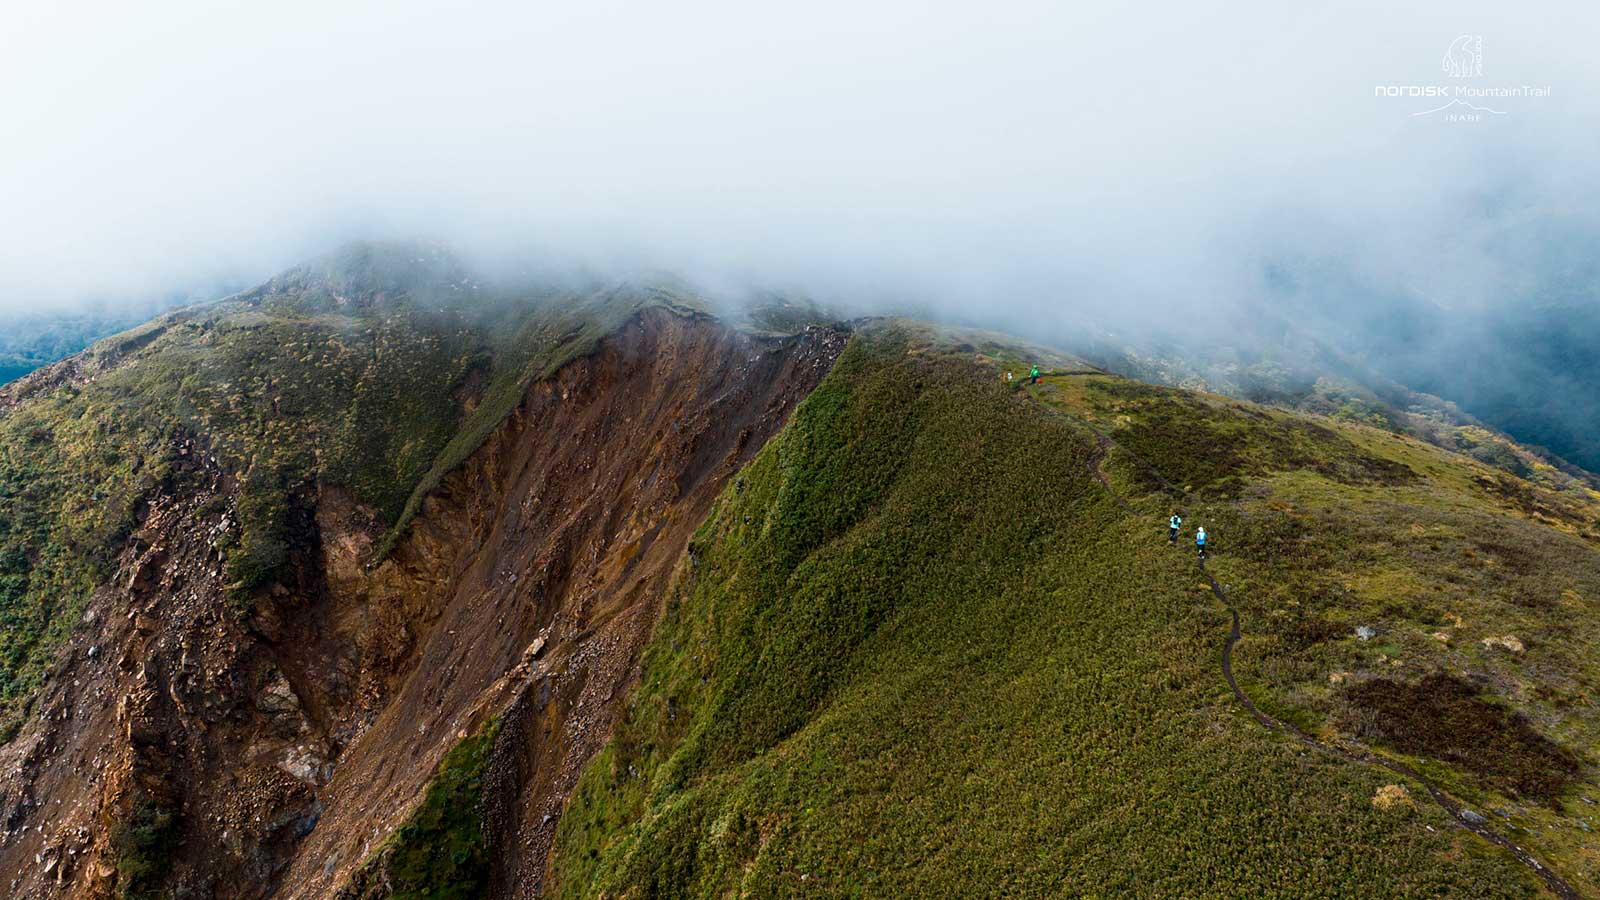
<point x="1292" y="370"/>
<point x="1481" y="591"/>
<point x="919" y="650"/>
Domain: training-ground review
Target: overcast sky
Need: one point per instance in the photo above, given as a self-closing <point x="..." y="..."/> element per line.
<point x="1041" y="155"/>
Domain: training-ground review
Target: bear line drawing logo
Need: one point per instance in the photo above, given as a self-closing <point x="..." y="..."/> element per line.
<point x="1464" y="58"/>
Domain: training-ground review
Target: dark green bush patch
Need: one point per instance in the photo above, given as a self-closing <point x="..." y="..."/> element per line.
<point x="1213" y="446"/>
<point x="440" y="853"/>
<point x="1308" y="631"/>
<point x="1445" y="717"/>
<point x="142" y="846"/>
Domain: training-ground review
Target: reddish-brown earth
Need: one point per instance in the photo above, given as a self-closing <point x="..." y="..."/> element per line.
<point x="294" y="731"/>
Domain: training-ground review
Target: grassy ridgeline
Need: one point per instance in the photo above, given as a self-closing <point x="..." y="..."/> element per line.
<point x="1476" y="591"/>
<point x="920" y="651"/>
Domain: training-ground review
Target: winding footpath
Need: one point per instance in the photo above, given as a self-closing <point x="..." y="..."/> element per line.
<point x="1473" y="822"/>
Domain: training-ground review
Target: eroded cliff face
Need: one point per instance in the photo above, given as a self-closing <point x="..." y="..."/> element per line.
<point x="220" y="747"/>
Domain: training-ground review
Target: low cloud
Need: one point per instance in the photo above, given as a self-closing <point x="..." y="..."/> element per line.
<point x="1014" y="163"/>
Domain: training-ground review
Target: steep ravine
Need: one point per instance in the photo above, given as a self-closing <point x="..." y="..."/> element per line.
<point x="267" y="746"/>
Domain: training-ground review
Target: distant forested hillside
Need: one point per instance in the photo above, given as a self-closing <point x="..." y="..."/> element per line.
<point x="29" y="340"/>
<point x="1326" y="341"/>
<point x="1533" y="373"/>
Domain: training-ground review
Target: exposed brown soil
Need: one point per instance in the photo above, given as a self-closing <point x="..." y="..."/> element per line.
<point x="289" y="734"/>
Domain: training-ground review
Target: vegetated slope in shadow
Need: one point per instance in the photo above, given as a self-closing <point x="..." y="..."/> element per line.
<point x="1286" y="369"/>
<point x="30" y="340"/>
<point x="1282" y="558"/>
<point x="921" y="651"/>
<point x="241" y="713"/>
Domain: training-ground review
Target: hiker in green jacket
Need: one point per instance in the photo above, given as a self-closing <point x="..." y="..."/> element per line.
<point x="1173" y="524"/>
<point x="1034" y="374"/>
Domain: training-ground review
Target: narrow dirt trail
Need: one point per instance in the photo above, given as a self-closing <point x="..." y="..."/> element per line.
<point x="1474" y="823"/>
<point x="1353" y="753"/>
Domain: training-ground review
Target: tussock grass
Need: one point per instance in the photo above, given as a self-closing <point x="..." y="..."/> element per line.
<point x="1479" y="587"/>
<point x="920" y="651"/>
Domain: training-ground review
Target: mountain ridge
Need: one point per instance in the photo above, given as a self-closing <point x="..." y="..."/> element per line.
<point x="341" y="590"/>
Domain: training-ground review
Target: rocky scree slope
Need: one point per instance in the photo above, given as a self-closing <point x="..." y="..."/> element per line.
<point x="321" y="533"/>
